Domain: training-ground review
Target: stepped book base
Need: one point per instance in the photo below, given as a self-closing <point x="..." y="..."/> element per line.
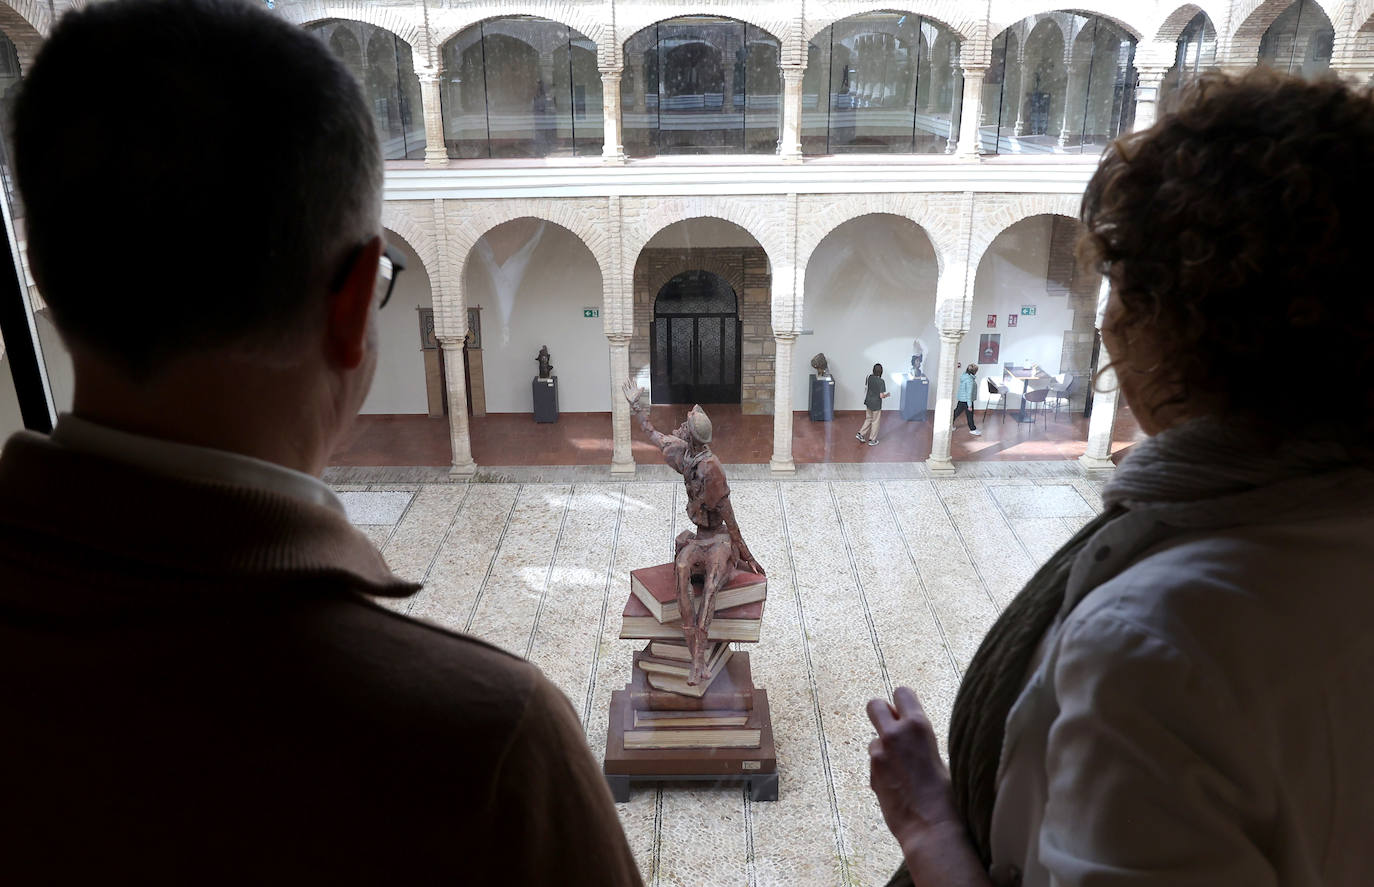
<point x="755" y="768"/>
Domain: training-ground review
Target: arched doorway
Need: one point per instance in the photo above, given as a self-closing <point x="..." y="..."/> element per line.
<point x="695" y="341"/>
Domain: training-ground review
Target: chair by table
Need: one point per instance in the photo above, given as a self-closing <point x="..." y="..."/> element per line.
<point x="995" y="392"/>
<point x="1036" y="399"/>
<point x="1061" y="392"/>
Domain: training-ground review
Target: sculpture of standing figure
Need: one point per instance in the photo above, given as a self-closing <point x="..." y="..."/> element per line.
<point x="545" y="368"/>
<point x="716" y="550"/>
<point x="917" y="358"/>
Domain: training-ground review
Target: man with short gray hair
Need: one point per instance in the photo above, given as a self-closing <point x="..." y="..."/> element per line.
<point x="198" y="685"/>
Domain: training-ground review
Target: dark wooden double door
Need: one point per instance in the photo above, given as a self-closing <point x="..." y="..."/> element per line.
<point x="696" y="341"/>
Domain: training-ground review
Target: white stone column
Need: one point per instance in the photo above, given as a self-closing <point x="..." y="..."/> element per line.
<point x="1102" y="423"/>
<point x="1151" y="78"/>
<point x="456" y="379"/>
<point x="622" y="462"/>
<point x="972" y="110"/>
<point x="945" y="381"/>
<point x="955" y="120"/>
<point x="612" y="148"/>
<point x="436" y="153"/>
<point x="789" y="146"/>
<point x="782" y="404"/>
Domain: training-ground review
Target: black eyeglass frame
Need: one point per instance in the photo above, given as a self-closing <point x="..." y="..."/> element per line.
<point x="391" y="256"/>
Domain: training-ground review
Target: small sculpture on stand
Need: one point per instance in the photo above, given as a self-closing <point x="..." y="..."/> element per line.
<point x="918" y="357"/>
<point x="716" y="551"/>
<point x="821" y="366"/>
<point x="545" y="367"/>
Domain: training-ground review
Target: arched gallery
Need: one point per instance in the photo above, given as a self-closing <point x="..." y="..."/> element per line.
<point x="700" y="198"/>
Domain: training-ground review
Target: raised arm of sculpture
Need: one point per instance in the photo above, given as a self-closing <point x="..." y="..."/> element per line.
<point x="673" y="446"/>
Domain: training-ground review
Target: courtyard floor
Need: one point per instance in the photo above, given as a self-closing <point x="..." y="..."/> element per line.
<point x="585" y="438"/>
<point x="886" y="579"/>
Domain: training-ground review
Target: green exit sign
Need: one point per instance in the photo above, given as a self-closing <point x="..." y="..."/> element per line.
<point x="591" y="312"/>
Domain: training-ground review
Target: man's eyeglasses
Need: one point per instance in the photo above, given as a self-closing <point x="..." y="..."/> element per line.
<point x="389" y="267"/>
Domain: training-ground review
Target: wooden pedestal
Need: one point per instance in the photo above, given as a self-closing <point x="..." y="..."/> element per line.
<point x="756" y="768"/>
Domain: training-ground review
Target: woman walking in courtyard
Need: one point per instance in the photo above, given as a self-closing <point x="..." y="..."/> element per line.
<point x="1180" y="695"/>
<point x="873" y="406"/>
<point x="968" y="386"/>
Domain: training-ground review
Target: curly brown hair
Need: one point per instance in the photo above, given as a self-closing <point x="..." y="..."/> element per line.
<point x="1235" y="234"/>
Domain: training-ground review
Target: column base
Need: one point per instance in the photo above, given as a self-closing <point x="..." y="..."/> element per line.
<point x="463" y="469"/>
<point x="940" y="467"/>
<point x="1092" y="465"/>
<point x="437" y="159"/>
<point x="782" y="466"/>
<point x="623" y="468"/>
<point x="790" y="156"/>
<point x="616" y="156"/>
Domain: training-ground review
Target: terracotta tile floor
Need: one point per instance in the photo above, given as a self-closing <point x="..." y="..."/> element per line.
<point x="585" y="439"/>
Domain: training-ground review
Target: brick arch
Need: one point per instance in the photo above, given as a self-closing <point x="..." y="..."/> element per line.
<point x="758" y="217"/>
<point x="25" y="23"/>
<point x="388" y="18"/>
<point x="1171" y="28"/>
<point x="951" y="14"/>
<point x="1006" y="16"/>
<point x="582" y="18"/>
<point x="418" y="236"/>
<point x="778" y="19"/>
<point x="704" y="260"/>
<point x="1364" y="12"/>
<point x="1255" y="17"/>
<point x="994" y="215"/>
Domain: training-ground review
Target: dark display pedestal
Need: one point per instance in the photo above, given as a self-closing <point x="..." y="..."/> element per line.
<point x="822" y="401"/>
<point x="915" y="399"/>
<point x="545" y="399"/>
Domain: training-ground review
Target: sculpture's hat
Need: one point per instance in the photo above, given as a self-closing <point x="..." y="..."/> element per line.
<point x="700" y="424"/>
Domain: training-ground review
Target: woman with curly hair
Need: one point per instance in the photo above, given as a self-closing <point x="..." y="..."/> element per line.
<point x="1182" y="694"/>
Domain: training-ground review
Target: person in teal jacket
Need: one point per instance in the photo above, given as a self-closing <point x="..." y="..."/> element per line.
<point x="968" y="385"/>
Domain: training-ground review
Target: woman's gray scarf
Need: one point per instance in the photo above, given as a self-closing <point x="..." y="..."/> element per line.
<point x="1205" y="467"/>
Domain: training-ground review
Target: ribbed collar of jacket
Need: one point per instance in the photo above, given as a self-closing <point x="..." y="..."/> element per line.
<point x="193" y="526"/>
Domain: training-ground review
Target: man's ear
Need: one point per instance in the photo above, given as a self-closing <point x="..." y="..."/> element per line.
<point x="350" y="309"/>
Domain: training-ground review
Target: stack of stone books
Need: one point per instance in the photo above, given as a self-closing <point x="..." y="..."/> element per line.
<point x="663" y="728"/>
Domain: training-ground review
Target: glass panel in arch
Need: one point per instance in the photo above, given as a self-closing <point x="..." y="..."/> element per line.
<point x="585" y="96"/>
<point x="702" y="71"/>
<point x="384" y="66"/>
<point x="639" y="95"/>
<point x="528" y="114"/>
<point x="1299" y="41"/>
<point x="1000" y="88"/>
<point x="1195" y="52"/>
<point x="762" y="92"/>
<point x="815" y="129"/>
<point x="873" y="77"/>
<point x="463" y="96"/>
<point x="1109" y="105"/>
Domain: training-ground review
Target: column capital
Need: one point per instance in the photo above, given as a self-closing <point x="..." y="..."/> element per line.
<point x="618" y="338"/>
<point x="785" y="337"/>
<point x="615" y="72"/>
<point x="427" y="75"/>
<point x="793" y="73"/>
<point x="978" y="70"/>
<point x="447" y="343"/>
<point x="952" y="337"/>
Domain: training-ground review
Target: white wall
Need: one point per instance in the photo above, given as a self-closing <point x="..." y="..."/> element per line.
<point x="399" y="386"/>
<point x="532" y="279"/>
<point x="1012" y="273"/>
<point x="870" y="291"/>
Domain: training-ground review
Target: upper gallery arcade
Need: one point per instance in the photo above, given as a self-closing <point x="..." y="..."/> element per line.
<point x="551" y="158"/>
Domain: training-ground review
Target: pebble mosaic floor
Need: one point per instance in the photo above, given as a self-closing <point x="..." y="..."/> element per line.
<point x="873" y="583"/>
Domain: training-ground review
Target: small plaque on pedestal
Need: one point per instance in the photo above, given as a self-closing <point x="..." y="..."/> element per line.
<point x="822" y="403"/>
<point x="915" y="399"/>
<point x="545" y="399"/>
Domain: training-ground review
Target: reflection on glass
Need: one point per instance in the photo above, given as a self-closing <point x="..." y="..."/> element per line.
<point x="881" y="82"/>
<point x="520" y="87"/>
<point x="1059" y="83"/>
<point x="701" y="85"/>
<point x="383" y="65"/>
<point x="1299" y="41"/>
<point x="1196" y="53"/>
